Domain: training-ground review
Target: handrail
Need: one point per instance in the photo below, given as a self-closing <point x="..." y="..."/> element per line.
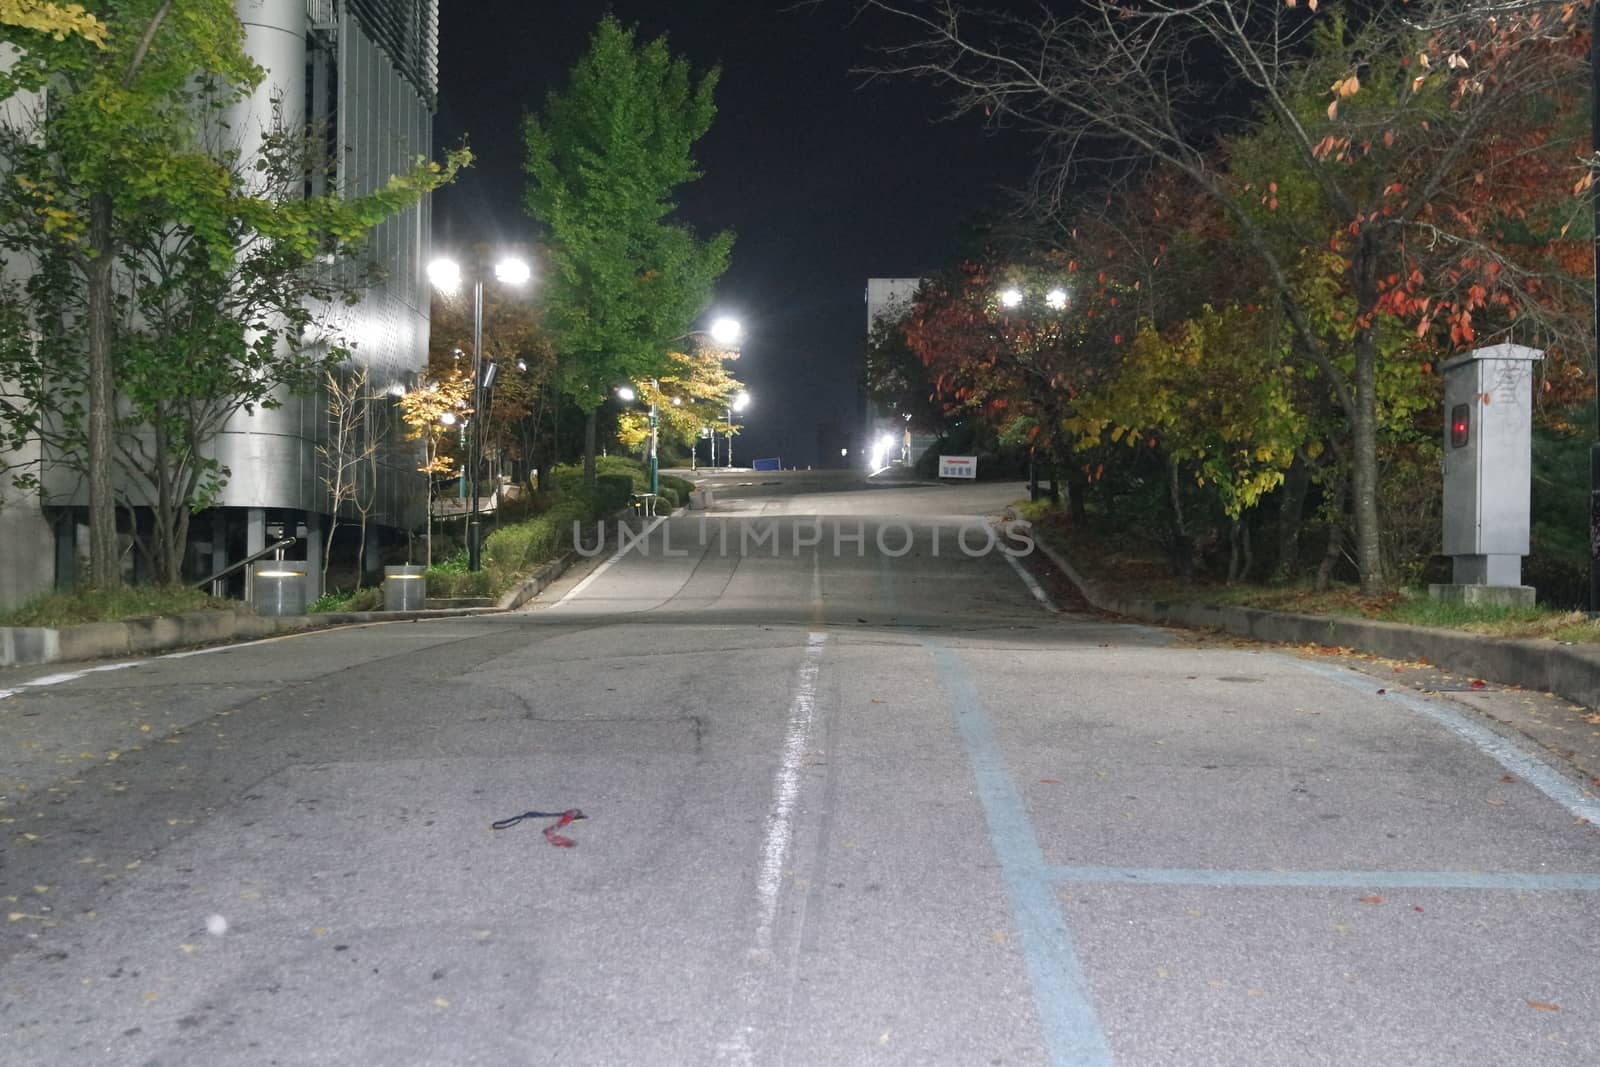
<point x="215" y="581"/>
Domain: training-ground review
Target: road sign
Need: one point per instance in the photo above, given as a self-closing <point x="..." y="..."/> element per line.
<point x="958" y="466"/>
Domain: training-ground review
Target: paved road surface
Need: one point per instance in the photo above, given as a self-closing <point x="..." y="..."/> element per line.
<point x="849" y="802"/>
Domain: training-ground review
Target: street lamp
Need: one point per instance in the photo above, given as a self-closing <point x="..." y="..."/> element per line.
<point x="1056" y="298"/>
<point x="738" y="403"/>
<point x="445" y="274"/>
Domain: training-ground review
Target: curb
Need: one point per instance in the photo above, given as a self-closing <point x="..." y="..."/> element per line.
<point x="33" y="645"/>
<point x="537" y="582"/>
<point x="1570" y="671"/>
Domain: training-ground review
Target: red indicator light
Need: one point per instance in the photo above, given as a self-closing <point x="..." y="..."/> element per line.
<point x="1460" y="425"/>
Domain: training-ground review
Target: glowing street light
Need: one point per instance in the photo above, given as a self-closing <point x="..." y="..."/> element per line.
<point x="1056" y="298"/>
<point x="626" y="393"/>
<point x="1011" y="298"/>
<point x="740" y="401"/>
<point x="726" y="331"/>
<point x="445" y="275"/>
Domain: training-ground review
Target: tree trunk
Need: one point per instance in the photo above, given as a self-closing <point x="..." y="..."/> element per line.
<point x="1291" y="510"/>
<point x="105" y="570"/>
<point x="1182" y="546"/>
<point x="1364" y="424"/>
<point x="589" y="434"/>
<point x="1330" y="558"/>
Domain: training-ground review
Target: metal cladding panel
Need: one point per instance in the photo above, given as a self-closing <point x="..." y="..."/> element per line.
<point x="275" y="37"/>
<point x="1488" y="482"/>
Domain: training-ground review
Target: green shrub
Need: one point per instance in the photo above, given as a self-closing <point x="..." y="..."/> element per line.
<point x="682" y="486"/>
<point x="447" y="586"/>
<point x="368" y="598"/>
<point x="612" y="492"/>
<point x="94" y="605"/>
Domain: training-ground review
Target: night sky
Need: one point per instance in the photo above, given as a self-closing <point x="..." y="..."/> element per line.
<point x="826" y="182"/>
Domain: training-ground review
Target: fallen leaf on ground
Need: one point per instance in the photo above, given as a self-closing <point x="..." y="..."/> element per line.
<point x="1479" y="683"/>
<point x="1371" y="900"/>
<point x="1508" y="777"/>
<point x="1539" y="1005"/>
<point x="1381" y="692"/>
<point x="1050" y="781"/>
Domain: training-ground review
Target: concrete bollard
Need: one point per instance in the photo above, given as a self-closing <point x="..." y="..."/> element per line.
<point x="278" y="589"/>
<point x="405" y="588"/>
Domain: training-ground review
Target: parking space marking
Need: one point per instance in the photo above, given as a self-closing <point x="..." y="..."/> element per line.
<point x="1071" y="1028"/>
<point x="1220" y="879"/>
<point x="1526" y="766"/>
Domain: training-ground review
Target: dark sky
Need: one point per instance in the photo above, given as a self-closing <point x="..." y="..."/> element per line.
<point x="824" y="181"/>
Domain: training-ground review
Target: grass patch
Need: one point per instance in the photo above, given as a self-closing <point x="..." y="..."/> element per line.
<point x="75" y="606"/>
<point x="1141" y="571"/>
<point x="369" y="598"/>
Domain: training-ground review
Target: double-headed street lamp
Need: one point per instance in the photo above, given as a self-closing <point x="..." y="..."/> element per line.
<point x="445" y="275"/>
<point x="1056" y="299"/>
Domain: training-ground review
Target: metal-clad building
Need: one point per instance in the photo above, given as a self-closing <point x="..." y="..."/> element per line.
<point x="366" y="70"/>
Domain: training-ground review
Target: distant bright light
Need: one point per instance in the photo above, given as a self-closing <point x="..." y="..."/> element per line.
<point x="513" y="271"/>
<point x="741" y="401"/>
<point x="1011" y="298"/>
<point x="444" y="274"/>
<point x="677" y="401"/>
<point x="726" y="331"/>
<point x="397" y="389"/>
<point x="448" y="418"/>
<point x="1056" y="298"/>
<point x="844" y="451"/>
<point x="522" y="364"/>
<point x="626" y="392"/>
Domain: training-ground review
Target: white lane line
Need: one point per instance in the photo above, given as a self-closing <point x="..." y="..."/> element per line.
<point x="1033" y="584"/>
<point x="623" y="547"/>
<point x="66" y="676"/>
<point x="778" y="834"/>
<point x="786" y="787"/>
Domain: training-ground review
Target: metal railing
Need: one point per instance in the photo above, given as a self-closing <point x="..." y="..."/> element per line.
<point x="216" y="580"/>
<point x="321" y="14"/>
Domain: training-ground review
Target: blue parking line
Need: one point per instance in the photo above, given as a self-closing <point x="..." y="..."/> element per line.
<point x="1072" y="1033"/>
<point x="1218" y="879"/>
<point x="1529" y="768"/>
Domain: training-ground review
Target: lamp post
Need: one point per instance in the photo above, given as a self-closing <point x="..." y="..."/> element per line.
<point x="1012" y="298"/>
<point x="445" y="274"/>
<point x="738" y="403"/>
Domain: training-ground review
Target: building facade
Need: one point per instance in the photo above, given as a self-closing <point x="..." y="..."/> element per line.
<point x="364" y="71"/>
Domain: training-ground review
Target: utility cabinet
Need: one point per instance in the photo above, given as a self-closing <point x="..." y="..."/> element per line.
<point x="1488" y="460"/>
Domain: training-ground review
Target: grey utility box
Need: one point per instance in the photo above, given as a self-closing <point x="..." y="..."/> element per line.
<point x="1488" y="461"/>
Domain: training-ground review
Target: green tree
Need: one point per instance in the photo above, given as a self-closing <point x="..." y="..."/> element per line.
<point x="692" y="395"/>
<point x="431" y="411"/>
<point x="604" y="160"/>
<point x="172" y="281"/>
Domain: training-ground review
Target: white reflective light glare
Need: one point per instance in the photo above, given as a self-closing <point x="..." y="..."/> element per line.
<point x="626" y="392"/>
<point x="677" y="401"/>
<point x="726" y="331"/>
<point x="397" y="389"/>
<point x="741" y="401"/>
<point x="1056" y="298"/>
<point x="513" y="271"/>
<point x="1011" y="298"/>
<point x="444" y="274"/>
<point x="844" y="451"/>
<point x="448" y="418"/>
<point x="522" y="364"/>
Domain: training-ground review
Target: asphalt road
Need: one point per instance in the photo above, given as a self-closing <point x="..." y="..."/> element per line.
<point x="853" y="795"/>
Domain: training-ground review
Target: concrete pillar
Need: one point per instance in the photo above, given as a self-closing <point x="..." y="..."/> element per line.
<point x="314" y="549"/>
<point x="255" y="530"/>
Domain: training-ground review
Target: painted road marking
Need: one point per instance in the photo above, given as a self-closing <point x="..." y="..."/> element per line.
<point x="777" y="835"/>
<point x="1543" y="777"/>
<point x="1033" y="584"/>
<point x="1217" y="879"/>
<point x="598" y="571"/>
<point x="1071" y="1029"/>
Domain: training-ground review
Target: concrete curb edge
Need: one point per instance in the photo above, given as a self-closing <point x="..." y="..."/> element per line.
<point x="1570" y="671"/>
